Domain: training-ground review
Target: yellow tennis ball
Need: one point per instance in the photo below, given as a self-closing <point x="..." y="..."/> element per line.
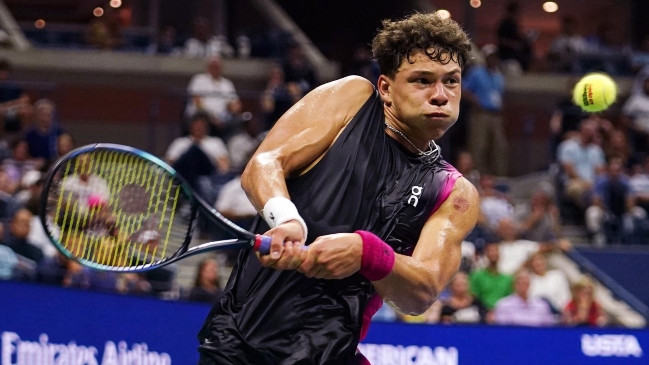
<point x="595" y="92"/>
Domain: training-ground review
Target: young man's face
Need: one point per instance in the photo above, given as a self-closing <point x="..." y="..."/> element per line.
<point x="425" y="95"/>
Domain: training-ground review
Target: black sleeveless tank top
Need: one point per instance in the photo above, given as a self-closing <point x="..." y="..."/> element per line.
<point x="366" y="180"/>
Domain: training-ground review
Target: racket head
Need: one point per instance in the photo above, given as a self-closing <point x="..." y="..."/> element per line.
<point x="116" y="208"/>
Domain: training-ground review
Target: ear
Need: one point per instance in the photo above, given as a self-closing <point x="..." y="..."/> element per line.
<point x="384" y="85"/>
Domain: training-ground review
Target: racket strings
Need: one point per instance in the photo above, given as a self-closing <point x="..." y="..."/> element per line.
<point x="117" y="209"/>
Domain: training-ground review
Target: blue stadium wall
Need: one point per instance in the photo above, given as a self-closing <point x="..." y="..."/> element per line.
<point x="42" y="325"/>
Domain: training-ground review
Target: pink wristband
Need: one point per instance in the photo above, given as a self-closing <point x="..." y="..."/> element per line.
<point x="378" y="257"/>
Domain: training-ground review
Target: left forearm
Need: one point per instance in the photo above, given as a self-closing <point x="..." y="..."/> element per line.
<point x="411" y="288"/>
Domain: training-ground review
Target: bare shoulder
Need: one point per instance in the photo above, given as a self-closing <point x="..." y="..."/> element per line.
<point x="463" y="203"/>
<point x="344" y="96"/>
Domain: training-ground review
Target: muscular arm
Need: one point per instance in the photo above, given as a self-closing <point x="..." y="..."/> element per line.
<point x="415" y="282"/>
<point x="302" y="136"/>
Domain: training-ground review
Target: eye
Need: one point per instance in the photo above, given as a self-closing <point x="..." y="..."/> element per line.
<point x="453" y="81"/>
<point x="422" y="80"/>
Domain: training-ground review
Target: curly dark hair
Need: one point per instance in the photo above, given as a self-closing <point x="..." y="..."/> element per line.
<point x="443" y="40"/>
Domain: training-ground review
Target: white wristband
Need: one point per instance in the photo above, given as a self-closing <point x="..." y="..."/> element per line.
<point x="280" y="210"/>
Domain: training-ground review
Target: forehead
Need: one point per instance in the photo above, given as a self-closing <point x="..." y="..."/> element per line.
<point x="419" y="61"/>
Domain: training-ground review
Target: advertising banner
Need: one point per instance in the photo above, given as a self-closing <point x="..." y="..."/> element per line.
<point x="44" y="325"/>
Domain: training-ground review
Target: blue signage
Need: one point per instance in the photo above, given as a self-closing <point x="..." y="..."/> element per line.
<point x="44" y="325"/>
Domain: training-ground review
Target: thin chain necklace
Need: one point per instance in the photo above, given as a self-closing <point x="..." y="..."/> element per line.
<point x="432" y="146"/>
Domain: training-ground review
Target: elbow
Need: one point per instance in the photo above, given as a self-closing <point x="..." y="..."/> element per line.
<point x="422" y="302"/>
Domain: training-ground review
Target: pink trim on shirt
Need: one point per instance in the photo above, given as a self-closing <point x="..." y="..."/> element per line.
<point x="373" y="305"/>
<point x="447" y="188"/>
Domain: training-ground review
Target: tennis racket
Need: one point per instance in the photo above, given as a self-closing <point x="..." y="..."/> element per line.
<point x="116" y="208"/>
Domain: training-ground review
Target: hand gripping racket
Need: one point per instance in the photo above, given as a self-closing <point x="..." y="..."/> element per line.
<point x="116" y="208"/>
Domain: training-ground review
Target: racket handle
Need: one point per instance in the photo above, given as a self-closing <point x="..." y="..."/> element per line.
<point x="262" y="244"/>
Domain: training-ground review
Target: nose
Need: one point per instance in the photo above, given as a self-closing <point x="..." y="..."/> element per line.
<point x="438" y="94"/>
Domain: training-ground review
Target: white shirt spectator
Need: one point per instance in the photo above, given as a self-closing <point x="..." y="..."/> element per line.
<point x="569" y="44"/>
<point x="513" y="254"/>
<point x="213" y="147"/>
<point x="215" y="46"/>
<point x="513" y="310"/>
<point x="216" y="94"/>
<point x="585" y="159"/>
<point x="495" y="209"/>
<point x="82" y="190"/>
<point x="552" y="286"/>
<point x="639" y="183"/>
<point x="40" y="239"/>
<point x="637" y="108"/>
<point x="233" y="199"/>
<point x="241" y="147"/>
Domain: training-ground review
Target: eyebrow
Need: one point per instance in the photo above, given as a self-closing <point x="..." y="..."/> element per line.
<point x="426" y="72"/>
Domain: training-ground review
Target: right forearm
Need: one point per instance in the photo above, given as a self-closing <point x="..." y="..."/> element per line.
<point x="264" y="179"/>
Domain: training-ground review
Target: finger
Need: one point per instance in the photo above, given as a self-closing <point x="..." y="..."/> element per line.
<point x="296" y="259"/>
<point x="277" y="245"/>
<point x="308" y="263"/>
<point x="287" y="256"/>
<point x="321" y="273"/>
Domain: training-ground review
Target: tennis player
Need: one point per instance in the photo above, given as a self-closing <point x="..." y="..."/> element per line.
<point x="352" y="172"/>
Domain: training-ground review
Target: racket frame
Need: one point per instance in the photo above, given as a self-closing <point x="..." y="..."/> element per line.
<point x="245" y="239"/>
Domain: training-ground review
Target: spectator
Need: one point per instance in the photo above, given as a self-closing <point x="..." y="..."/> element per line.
<point x="14" y="102"/>
<point x="17" y="238"/>
<point x="636" y="112"/>
<point x="610" y="218"/>
<point x="42" y="137"/>
<point x="244" y="144"/>
<point x="106" y="32"/>
<point x="297" y="69"/>
<point x="462" y="307"/>
<point x="514" y="252"/>
<point x="464" y="165"/>
<point x="566" y="48"/>
<point x="206" y="286"/>
<point x="540" y="221"/>
<point x="204" y="44"/>
<point x="8" y="261"/>
<point x="512" y="43"/>
<point x="565" y="119"/>
<point x="488" y="285"/>
<point x="233" y="202"/>
<point x="166" y="43"/>
<point x="199" y="156"/>
<point x="20" y="163"/>
<point x="84" y="185"/>
<point x="211" y="93"/>
<point x="581" y="160"/>
<point x="639" y="183"/>
<point x="603" y="53"/>
<point x="53" y="270"/>
<point x="133" y="283"/>
<point x="617" y="146"/>
<point x="8" y="203"/>
<point x="494" y="202"/>
<point x="551" y="285"/>
<point x="583" y="309"/>
<point x="278" y="96"/>
<point x="364" y="65"/>
<point x="483" y="86"/>
<point x="521" y="309"/>
<point x="640" y="57"/>
<point x="64" y="144"/>
<point x="232" y="121"/>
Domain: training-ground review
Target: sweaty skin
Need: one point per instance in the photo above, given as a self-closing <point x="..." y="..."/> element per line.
<point x="422" y="101"/>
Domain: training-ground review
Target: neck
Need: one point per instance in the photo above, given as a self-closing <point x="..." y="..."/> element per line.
<point x="493" y="267"/>
<point x="414" y="145"/>
<point x="523" y="296"/>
